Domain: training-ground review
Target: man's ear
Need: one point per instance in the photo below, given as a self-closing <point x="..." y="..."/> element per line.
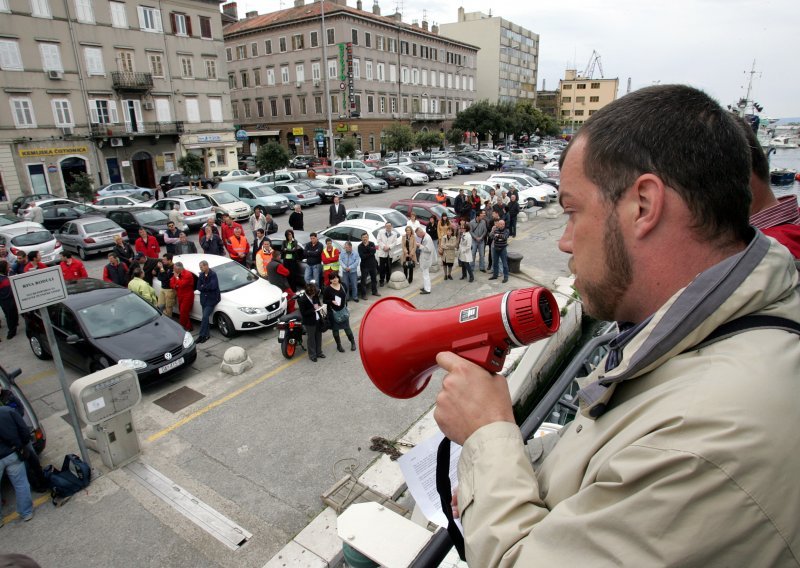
<point x="645" y="204"/>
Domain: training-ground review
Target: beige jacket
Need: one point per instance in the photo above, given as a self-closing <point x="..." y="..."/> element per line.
<point x="692" y="459"/>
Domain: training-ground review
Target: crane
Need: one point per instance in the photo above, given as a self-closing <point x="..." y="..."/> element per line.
<point x="594" y="61"/>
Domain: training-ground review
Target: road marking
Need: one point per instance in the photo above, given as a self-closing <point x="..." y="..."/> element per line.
<point x="29" y="380"/>
<point x="38" y="501"/>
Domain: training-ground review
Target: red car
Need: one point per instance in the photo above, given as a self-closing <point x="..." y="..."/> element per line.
<point x="424" y="210"/>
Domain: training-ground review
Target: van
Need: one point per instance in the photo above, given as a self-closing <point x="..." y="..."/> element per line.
<point x="256" y="194"/>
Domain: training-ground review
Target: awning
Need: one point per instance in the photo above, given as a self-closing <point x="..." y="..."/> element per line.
<point x="254" y="133"/>
<point x="227" y="144"/>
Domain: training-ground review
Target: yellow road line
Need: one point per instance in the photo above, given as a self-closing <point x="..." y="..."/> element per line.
<point x="36" y="502"/>
<point x="30" y="379"/>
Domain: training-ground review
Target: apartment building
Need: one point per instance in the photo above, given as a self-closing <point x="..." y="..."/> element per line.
<point x="581" y="97"/>
<point x="508" y="60"/>
<point x="117" y="90"/>
<point x="378" y="70"/>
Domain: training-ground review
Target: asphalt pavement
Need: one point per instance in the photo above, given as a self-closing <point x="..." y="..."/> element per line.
<point x="260" y="447"/>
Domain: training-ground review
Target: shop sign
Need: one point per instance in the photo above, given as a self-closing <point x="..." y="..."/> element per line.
<point x="297" y="131"/>
<point x="51" y="169"/>
<point x="216" y="137"/>
<point x="354" y="128"/>
<point x="39" y="152"/>
<point x="241" y="136"/>
<point x="341" y="127"/>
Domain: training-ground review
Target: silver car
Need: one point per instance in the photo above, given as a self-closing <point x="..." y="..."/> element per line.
<point x="196" y="209"/>
<point x="29" y="237"/>
<point x="90" y="235"/>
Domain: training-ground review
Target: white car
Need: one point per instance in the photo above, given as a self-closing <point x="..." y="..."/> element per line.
<point x="350" y="184"/>
<point x="28" y="237"/>
<point x="407" y="174"/>
<point x="528" y="182"/>
<point x="530" y="196"/>
<point x="382" y="214"/>
<point x="122" y="201"/>
<point x="353" y="229"/>
<point x="247" y="301"/>
<point x="234" y="175"/>
<point x="440" y="171"/>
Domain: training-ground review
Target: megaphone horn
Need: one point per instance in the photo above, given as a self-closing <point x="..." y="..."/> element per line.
<point x="399" y="343"/>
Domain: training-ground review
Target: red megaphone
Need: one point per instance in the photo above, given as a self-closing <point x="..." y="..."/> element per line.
<point x="399" y="343"/>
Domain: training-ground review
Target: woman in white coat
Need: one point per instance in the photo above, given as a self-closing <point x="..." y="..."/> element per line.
<point x="465" y="254"/>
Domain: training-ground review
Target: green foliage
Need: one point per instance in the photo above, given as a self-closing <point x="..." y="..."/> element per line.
<point x="81" y="187"/>
<point x="399" y="137"/>
<point x="272" y="156"/>
<point x="346" y="147"/>
<point x="454" y="136"/>
<point x="191" y="165"/>
<point x="427" y="139"/>
<point x="505" y="119"/>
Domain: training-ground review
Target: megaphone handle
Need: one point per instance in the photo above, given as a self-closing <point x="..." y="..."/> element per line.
<point x="444" y="489"/>
<point x="479" y="350"/>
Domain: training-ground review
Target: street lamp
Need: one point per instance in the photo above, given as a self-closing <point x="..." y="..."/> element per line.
<point x="324" y="38"/>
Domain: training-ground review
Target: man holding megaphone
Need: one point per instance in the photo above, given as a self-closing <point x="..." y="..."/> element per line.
<point x="684" y="451"/>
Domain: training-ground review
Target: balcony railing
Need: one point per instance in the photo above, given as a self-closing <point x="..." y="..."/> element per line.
<point x="131" y="81"/>
<point x="428" y="116"/>
<point x="136" y="129"/>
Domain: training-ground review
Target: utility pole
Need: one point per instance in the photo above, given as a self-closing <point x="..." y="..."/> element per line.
<point x="324" y="39"/>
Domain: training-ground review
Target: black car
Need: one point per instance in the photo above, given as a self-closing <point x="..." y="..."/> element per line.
<point x="56" y="216"/>
<point x="133" y="218"/>
<point x="177" y="179"/>
<point x="391" y="178"/>
<point x="13" y="396"/>
<point x="325" y="190"/>
<point x="425" y="168"/>
<point x="479" y="166"/>
<point x="101" y="324"/>
<point x="480" y="158"/>
<point x="301" y="161"/>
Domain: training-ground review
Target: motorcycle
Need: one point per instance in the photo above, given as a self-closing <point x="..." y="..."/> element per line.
<point x="290" y="333"/>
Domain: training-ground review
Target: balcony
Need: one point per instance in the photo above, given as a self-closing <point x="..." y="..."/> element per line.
<point x="427" y="116"/>
<point x="131" y="81"/>
<point x="136" y="129"/>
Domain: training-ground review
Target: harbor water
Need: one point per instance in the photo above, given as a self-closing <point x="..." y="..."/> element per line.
<point x="788" y="158"/>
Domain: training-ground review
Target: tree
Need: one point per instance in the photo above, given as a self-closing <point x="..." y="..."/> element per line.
<point x="399" y="137"/>
<point x="345" y="148"/>
<point x="454" y="136"/>
<point x="427" y="139"/>
<point x="81" y="186"/>
<point x="192" y="166"/>
<point x="481" y="117"/>
<point x="272" y="156"/>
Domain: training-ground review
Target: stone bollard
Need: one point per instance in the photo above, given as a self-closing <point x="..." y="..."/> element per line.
<point x="522" y="217"/>
<point x="397" y="280"/>
<point x="235" y="361"/>
<point x="551" y="212"/>
<point x="514" y="261"/>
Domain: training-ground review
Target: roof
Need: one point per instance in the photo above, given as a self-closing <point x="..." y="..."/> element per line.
<point x="312" y="11"/>
<point x="90" y="291"/>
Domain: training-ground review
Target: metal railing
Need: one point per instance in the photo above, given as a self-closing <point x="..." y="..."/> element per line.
<point x="131" y="80"/>
<point x="136" y="129"/>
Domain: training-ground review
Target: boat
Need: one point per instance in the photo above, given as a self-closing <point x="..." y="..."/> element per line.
<point x="782" y="177"/>
<point x="783" y="142"/>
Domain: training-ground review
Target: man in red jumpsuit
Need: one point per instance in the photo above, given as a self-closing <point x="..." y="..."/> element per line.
<point x="182" y="282"/>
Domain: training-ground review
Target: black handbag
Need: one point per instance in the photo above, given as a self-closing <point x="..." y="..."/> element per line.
<point x="340" y="316"/>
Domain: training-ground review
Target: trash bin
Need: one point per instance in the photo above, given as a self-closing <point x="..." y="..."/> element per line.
<point x="514" y="260"/>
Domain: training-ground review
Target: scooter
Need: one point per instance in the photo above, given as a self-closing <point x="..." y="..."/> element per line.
<point x="290" y="333"/>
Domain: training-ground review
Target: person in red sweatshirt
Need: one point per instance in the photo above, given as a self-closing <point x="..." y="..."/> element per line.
<point x="228" y="228"/>
<point x="34" y="261"/>
<point x="148" y="245"/>
<point x="72" y="268"/>
<point x="182" y="282"/>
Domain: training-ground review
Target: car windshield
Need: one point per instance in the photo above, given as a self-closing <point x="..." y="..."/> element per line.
<point x="152" y="216"/>
<point x="114" y="317"/>
<point x="396" y="218"/>
<point x="406" y="169"/>
<point x="32" y="238"/>
<point x="233" y="276"/>
<point x="100" y="226"/>
<point x="225" y="197"/>
<point x="365" y="175"/>
<point x="440" y="210"/>
<point x="135" y="197"/>
<point x="315" y="183"/>
<point x="195" y="204"/>
<point x="84" y="209"/>
<point x="6" y="219"/>
<point x="262" y="191"/>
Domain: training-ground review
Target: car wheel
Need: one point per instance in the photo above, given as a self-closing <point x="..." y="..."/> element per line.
<point x="532" y="202"/>
<point x="367" y="189"/>
<point x="437" y="175"/>
<point x="99" y="364"/>
<point x="82" y="253"/>
<point x="146" y="195"/>
<point x="224" y="325"/>
<point x="409" y="183"/>
<point x="37" y="346"/>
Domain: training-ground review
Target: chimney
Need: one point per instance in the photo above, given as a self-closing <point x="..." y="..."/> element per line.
<point x="299" y="3"/>
<point x="251" y="14"/>
<point x="435" y="28"/>
<point x="425" y="25"/>
<point x="398" y="16"/>
<point x="359" y="5"/>
<point x="461" y="16"/>
<point x="231" y="10"/>
<point x="376" y="9"/>
<point x="414" y="24"/>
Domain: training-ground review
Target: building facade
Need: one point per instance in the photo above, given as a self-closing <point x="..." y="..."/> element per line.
<point x="581" y="97"/>
<point x="549" y="102"/>
<point x="508" y="60"/>
<point x="116" y="90"/>
<point x="378" y="70"/>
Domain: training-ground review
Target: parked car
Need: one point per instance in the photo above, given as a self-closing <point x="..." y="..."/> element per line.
<point x="391" y="177"/>
<point x="247" y="301"/>
<point x="234" y="175"/>
<point x="371" y="183"/>
<point x="301" y="161"/>
<point x="8" y="219"/>
<point x="479" y="166"/>
<point x="407" y="175"/>
<point x="28" y="237"/>
<point x="55" y="216"/>
<point x="325" y="190"/>
<point x="196" y="209"/>
<point x="177" y="179"/>
<point x="223" y="202"/>
<point x="536" y="174"/>
<point x="450" y="192"/>
<point x="90" y="235"/>
<point x="347" y="166"/>
<point x="297" y="193"/>
<point x="382" y="214"/>
<point x="433" y="171"/>
<point x="25" y="213"/>
<point x="321" y="172"/>
<point x="101" y="324"/>
<point x="527" y="181"/>
<point x="111" y="189"/>
<point x="283" y="176"/>
<point x="349" y="183"/>
<point x="23" y="201"/>
<point x="352" y="230"/>
<point x="529" y="195"/>
<point x="256" y="194"/>
<point x="119" y="201"/>
<point x="401" y="161"/>
<point x="131" y="219"/>
<point x="8" y="383"/>
<point x="424" y="210"/>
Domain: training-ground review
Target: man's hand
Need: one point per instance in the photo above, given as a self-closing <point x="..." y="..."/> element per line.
<point x="470" y="398"/>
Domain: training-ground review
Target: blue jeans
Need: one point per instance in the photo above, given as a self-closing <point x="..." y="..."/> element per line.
<point x="500" y="255"/>
<point x="351" y="283"/>
<point x="477" y="247"/>
<point x="15" y="469"/>
<point x="314" y="273"/>
<point x="207" y="311"/>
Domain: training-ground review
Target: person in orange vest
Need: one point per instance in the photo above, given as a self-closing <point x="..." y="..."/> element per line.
<point x="330" y="261"/>
<point x="263" y="258"/>
<point x="72" y="268"/>
<point x="182" y="282"/>
<point x="441" y="198"/>
<point x="228" y="228"/>
<point x="238" y="247"/>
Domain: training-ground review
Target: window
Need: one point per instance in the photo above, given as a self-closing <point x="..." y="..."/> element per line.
<point x="285" y="74"/>
<point x="270" y="77"/>
<point x="315" y="72"/>
<point x="404" y="75"/>
<point x="282" y="45"/>
<point x="580" y="99"/>
<point x="103" y="111"/>
<point x="314" y="39"/>
<point x="303" y="107"/>
<point x="591" y="112"/>
<point x="367" y="39"/>
<point x="381" y="76"/>
<point x="10" y="58"/>
<point x="380" y="43"/>
<point x="235" y="109"/>
<point x="331" y="36"/>
<point x="433" y="105"/>
<point x="332" y="66"/>
<point x="247" y="111"/>
<point x="181" y="24"/>
<point x="256" y="77"/>
<point x="354" y="35"/>
<point x="403" y="48"/>
<point x="595" y="85"/>
<point x="382" y="104"/>
<point x="368" y="70"/>
<point x="231" y="80"/>
<point x="392" y="45"/>
<point x="356" y="69"/>
<point x="163" y="112"/>
<point x="125" y="60"/>
<point x="566" y="99"/>
<point x="211" y="69"/>
<point x="581" y="86"/>
<point x="260" y="108"/>
<point x="186" y="67"/>
<point x="119" y="18"/>
<point x="156" y="65"/>
<point x="268" y="47"/>
<point x="594" y="99"/>
<point x="564" y="113"/>
<point x="424" y="77"/>
<point x="192" y="109"/>
<point x="579" y="112"/>
<point x="273" y="107"/>
<point x="393" y="104"/>
<point x="318" y="105"/>
<point x="94" y="60"/>
<point x="358" y="103"/>
<point x="415" y="76"/>
<point x="433" y="78"/>
<point x="228" y="54"/>
<point x="297" y="42"/>
<point x="39" y="9"/>
<point x="334" y="104"/>
<point x="241" y="52"/>
<point x="150" y="20"/>
<point x="84" y="11"/>
<point x="254" y="49"/>
<point x="62" y="112"/>
<point x="300" y="73"/>
<point x="567" y="87"/>
<point x="51" y="57"/>
<point x="405" y="105"/>
<point x="370" y="103"/>
<point x="245" y="79"/>
<point x="392" y="73"/>
<point x="441" y="78"/>
<point x="205" y="27"/>
<point x="22" y="110"/>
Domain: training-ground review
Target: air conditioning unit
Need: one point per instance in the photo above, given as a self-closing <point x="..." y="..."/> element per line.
<point x="147" y="105"/>
<point x="395" y="115"/>
<point x="55" y="74"/>
<point x="66" y="130"/>
<point x="316" y="82"/>
<point x="116" y="142"/>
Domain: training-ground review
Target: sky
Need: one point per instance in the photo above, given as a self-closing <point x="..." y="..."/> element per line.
<point x="709" y="44"/>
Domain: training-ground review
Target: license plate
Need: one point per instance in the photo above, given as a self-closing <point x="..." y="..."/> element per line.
<point x="282" y="334"/>
<point x="170" y="366"/>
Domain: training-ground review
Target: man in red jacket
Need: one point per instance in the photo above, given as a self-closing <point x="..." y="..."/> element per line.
<point x="72" y="268"/>
<point x="34" y="261"/>
<point x="148" y="245"/>
<point x="182" y="282"/>
<point x="228" y="228"/>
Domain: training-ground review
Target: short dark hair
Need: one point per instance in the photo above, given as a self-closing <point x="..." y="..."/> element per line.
<point x="32" y="254"/>
<point x="758" y="159"/>
<point x="66" y="254"/>
<point x="684" y="137"/>
<point x="3" y="266"/>
<point x="313" y="235"/>
<point x="167" y="255"/>
<point x="261" y="231"/>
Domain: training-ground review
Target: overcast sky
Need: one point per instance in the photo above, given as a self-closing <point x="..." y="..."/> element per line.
<point x="710" y="44"/>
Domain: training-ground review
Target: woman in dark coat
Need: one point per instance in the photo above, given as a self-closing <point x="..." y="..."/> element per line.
<point x="292" y="255"/>
<point x="311" y="314"/>
<point x="335" y="297"/>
